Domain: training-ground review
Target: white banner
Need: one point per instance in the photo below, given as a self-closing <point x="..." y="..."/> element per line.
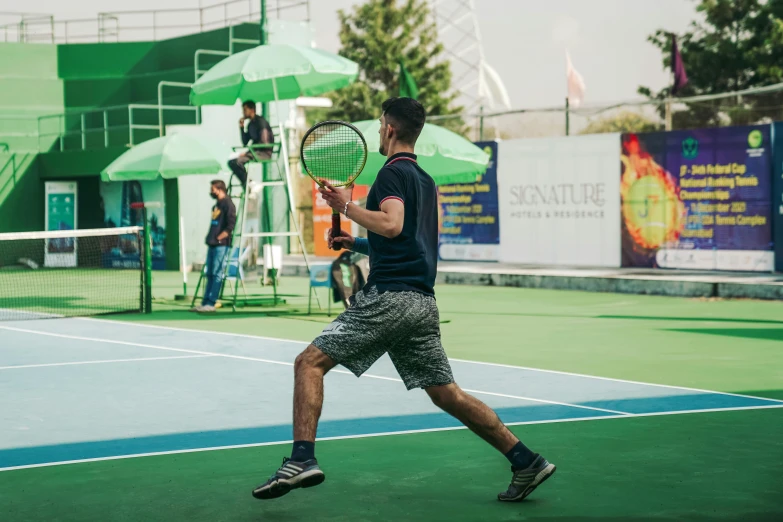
<point x="560" y="201"/>
<point x="61" y="214"/>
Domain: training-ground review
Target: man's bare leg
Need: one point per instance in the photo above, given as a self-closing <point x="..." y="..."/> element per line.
<point x="530" y="469"/>
<point x="301" y="470"/>
<point x="474" y="414"/>
<point x="309" y="369"/>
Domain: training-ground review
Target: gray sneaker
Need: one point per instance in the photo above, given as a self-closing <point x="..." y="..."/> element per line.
<point x="291" y="475"/>
<point x="207" y="309"/>
<point x="526" y="480"/>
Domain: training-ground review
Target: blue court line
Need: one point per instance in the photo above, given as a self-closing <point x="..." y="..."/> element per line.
<point x="354" y="427"/>
<point x="675" y="403"/>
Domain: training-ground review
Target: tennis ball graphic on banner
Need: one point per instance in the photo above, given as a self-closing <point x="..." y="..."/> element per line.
<point x="652" y="210"/>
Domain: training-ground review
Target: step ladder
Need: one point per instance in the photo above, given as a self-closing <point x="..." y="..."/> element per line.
<point x="239" y="195"/>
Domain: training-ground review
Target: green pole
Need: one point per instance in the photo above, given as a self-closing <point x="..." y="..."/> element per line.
<point x="147" y="259"/>
<point x="147" y="264"/>
<point x="263" y="40"/>
<point x="568" y="117"/>
<point x="266" y="218"/>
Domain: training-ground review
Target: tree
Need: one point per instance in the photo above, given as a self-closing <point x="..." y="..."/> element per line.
<point x="625" y="121"/>
<point x="376" y="35"/>
<point x="735" y="45"/>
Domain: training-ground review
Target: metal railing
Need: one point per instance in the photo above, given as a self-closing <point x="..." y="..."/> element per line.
<point x="126" y="26"/>
<point x="15" y="161"/>
<point x="201" y="52"/>
<point x="82" y="127"/>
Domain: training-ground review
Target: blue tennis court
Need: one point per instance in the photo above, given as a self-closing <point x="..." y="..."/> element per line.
<point x="85" y="389"/>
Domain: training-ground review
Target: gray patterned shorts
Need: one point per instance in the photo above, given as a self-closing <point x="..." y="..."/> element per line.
<point x="404" y="324"/>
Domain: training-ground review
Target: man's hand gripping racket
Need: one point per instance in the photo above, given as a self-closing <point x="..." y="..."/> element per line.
<point x="334" y="153"/>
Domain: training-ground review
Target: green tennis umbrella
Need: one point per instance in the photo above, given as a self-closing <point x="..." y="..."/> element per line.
<point x="445" y="155"/>
<point x="169" y="157"/>
<point x="273" y="72"/>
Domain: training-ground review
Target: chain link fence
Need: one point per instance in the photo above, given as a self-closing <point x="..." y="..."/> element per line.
<point x="753" y="106"/>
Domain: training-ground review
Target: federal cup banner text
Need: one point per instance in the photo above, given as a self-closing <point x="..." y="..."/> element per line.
<point x="468" y="215"/>
<point x="697" y="199"/>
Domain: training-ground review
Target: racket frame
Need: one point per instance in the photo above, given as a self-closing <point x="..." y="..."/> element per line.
<point x="335" y="213"/>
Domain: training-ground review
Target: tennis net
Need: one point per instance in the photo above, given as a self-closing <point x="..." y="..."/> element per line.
<point x="68" y="273"/>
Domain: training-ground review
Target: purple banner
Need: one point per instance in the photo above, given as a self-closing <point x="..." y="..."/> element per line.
<point x="697" y="199"/>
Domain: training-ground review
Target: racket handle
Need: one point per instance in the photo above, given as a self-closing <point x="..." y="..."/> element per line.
<point x="336" y="230"/>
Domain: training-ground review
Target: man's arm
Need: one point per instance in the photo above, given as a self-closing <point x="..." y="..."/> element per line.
<point x="231" y="221"/>
<point x="386" y="222"/>
<point x="244" y="135"/>
<point x="255" y="131"/>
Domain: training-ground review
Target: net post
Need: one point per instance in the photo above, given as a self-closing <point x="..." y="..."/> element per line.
<point x="147" y="259"/>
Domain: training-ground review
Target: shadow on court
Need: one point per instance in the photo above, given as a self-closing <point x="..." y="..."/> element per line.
<point x="445" y="310"/>
<point x="770" y="334"/>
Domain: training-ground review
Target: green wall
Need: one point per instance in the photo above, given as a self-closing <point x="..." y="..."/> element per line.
<point x="41" y="79"/>
<point x="29" y="88"/>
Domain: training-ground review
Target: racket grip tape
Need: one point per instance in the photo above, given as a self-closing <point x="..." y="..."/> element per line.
<point x="336" y="230"/>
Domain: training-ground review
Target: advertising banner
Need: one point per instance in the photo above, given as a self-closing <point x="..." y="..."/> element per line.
<point x="777" y="195"/>
<point x="697" y="199"/>
<point x="468" y="215"/>
<point x="60" y="215"/>
<point x="322" y="220"/>
<point x="117" y="198"/>
<point x="558" y="201"/>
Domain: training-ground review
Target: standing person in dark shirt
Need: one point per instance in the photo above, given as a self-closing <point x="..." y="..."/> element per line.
<point x="394" y="313"/>
<point x="255" y="130"/>
<point x="221" y="226"/>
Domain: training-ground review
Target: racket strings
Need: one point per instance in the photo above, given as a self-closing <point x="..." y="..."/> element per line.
<point x="334" y="152"/>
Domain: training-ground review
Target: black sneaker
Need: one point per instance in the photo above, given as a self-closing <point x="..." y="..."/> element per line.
<point x="526" y="480"/>
<point x="291" y="475"/>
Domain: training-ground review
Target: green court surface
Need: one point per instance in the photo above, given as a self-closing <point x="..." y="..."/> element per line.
<point x="665" y="465"/>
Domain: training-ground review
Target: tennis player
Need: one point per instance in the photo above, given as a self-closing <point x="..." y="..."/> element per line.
<point x="394" y="313"/>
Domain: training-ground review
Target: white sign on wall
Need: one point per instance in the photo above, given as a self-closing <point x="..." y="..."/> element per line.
<point x="559" y="201"/>
<point x="61" y="214"/>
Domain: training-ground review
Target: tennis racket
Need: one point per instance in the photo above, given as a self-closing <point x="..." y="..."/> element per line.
<point x="334" y="151"/>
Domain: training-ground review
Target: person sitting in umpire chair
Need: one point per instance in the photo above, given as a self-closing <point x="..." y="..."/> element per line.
<point x="256" y="136"/>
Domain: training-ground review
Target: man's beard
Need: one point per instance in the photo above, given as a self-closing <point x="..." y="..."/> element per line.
<point x="381" y="150"/>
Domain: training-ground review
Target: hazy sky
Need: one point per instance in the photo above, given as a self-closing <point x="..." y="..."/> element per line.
<point x="524" y="40"/>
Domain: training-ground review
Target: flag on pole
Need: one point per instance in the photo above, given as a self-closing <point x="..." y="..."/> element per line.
<point x="576" y="84"/>
<point x="408" y="88"/>
<point x="678" y="68"/>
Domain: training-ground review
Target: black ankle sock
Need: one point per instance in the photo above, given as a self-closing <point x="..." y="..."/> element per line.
<point x="304" y="450"/>
<point x="520" y="456"/>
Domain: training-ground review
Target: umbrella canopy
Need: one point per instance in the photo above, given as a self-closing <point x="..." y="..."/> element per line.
<point x="273" y="72"/>
<point x="445" y="155"/>
<point x="169" y="157"/>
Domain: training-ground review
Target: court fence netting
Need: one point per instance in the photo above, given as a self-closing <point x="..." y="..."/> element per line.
<point x="72" y="273"/>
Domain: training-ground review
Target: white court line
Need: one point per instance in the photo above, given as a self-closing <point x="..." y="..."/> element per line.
<point x="230" y="356"/>
<point x="78" y="363"/>
<point x="467" y="361"/>
<point x="383" y="434"/>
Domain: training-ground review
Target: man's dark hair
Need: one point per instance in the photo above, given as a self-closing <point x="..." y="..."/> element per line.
<point x="407" y="116"/>
<point x="250" y="104"/>
<point x="219" y="184"/>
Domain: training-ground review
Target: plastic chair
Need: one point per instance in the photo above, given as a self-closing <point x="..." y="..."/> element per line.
<point x="320" y="277"/>
<point x="235" y="268"/>
<point x="272" y="264"/>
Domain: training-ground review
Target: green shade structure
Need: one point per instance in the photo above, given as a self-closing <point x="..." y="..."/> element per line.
<point x="169" y="157"/>
<point x="273" y="72"/>
<point x="445" y="155"/>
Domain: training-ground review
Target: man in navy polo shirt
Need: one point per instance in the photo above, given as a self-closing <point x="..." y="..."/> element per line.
<point x="394" y="313"/>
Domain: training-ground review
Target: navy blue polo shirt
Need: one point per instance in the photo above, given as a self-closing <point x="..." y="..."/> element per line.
<point x="408" y="262"/>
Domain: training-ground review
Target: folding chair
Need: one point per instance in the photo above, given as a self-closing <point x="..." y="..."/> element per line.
<point x="320" y="277"/>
